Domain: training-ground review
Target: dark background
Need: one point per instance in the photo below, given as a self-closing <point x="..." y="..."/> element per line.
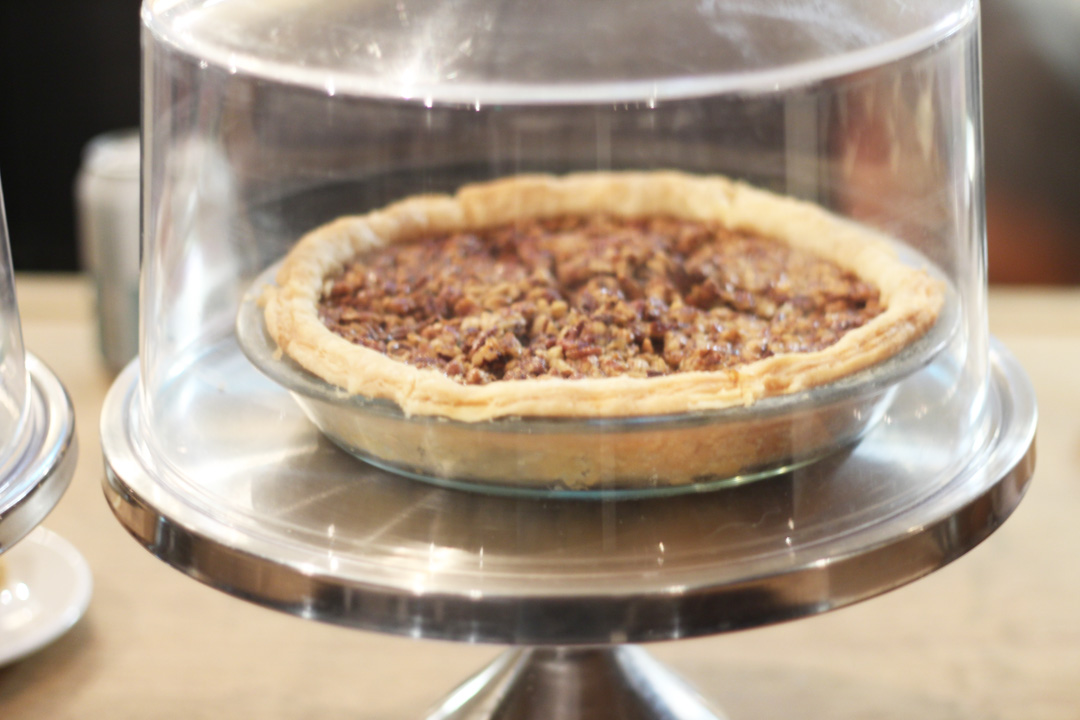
<point x="70" y="70"/>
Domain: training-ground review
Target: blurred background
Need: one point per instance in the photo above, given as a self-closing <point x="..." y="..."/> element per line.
<point x="68" y="72"/>
<point x="72" y="72"/>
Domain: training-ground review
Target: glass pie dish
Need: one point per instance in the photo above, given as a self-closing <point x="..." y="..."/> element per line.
<point x="583" y="457"/>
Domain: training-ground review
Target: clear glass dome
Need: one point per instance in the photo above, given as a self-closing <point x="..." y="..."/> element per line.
<point x="38" y="449"/>
<point x="265" y="120"/>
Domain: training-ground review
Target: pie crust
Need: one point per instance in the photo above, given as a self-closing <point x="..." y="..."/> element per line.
<point x="911" y="298"/>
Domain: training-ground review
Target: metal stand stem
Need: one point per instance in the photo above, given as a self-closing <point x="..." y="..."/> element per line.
<point x="620" y="683"/>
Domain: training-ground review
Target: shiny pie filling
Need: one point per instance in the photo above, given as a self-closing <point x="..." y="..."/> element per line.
<point x="593" y="297"/>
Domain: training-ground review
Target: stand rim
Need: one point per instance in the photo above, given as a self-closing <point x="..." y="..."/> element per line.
<point x="47" y="465"/>
<point x="204" y="552"/>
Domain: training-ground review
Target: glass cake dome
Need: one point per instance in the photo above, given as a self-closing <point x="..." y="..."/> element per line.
<point x="38" y="448"/>
<point x="833" y="126"/>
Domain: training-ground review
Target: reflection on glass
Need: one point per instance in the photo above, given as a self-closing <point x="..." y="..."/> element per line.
<point x="14" y="381"/>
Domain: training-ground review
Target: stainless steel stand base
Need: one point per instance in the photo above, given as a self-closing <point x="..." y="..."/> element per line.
<point x="620" y="683"/>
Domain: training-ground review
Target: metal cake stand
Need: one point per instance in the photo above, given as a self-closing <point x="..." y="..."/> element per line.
<point x="43" y="458"/>
<point x="271" y="512"/>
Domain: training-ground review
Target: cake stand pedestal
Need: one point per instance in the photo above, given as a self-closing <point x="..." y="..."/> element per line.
<point x="284" y="519"/>
<point x="622" y="682"/>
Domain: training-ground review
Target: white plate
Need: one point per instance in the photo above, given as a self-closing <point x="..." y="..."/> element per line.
<point x="45" y="586"/>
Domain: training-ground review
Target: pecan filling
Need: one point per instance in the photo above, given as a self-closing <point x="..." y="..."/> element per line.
<point x="593" y="297"/>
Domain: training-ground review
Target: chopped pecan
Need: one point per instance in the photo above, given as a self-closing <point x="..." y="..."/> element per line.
<point x="593" y="296"/>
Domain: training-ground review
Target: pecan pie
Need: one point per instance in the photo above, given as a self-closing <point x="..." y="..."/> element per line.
<point x="594" y="295"/>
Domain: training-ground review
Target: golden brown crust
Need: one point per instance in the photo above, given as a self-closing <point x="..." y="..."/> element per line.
<point x="912" y="300"/>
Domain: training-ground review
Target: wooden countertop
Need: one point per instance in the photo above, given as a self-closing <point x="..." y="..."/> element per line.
<point x="996" y="634"/>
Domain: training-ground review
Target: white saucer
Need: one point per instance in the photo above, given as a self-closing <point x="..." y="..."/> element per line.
<point x="44" y="589"/>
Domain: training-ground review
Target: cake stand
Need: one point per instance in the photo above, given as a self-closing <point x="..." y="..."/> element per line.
<point x="292" y="523"/>
<point x="43" y="458"/>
